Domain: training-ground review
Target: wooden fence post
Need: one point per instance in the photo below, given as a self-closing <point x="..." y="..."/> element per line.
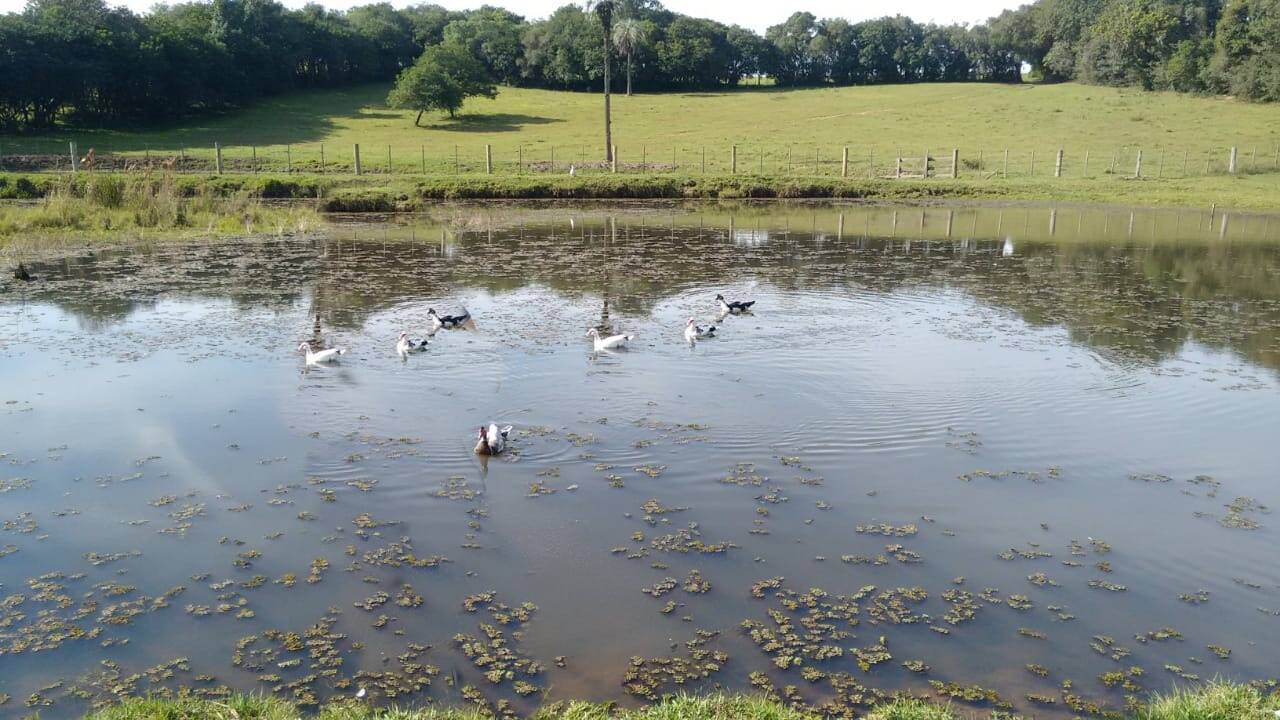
<point x="75" y="159"/>
<point x="1137" y="167"/>
<point x="254" y="162"/>
<point x="457" y="164"/>
<point x="704" y="159"/>
<point x="926" y="164"/>
<point x="355" y="151"/>
<point x="520" y="159"/>
<point x="955" y="163"/>
<point x="488" y="159"/>
<point x="733" y="159"/>
<point x="422" y="149"/>
<point x="1231" y="162"/>
<point x="1057" y="164"/>
<point x="217" y="155"/>
<point x="844" y="164"/>
<point x="897" y="169"/>
<point x="388" y="159"/>
<point x="1032" y="171"/>
<point x="1005" y="171"/>
<point x="288" y="158"/>
<point x="321" y="158"/>
<point x="613" y="158"/>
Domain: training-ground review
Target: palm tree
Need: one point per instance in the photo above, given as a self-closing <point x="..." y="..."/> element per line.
<point x="604" y="11"/>
<point x="628" y="36"/>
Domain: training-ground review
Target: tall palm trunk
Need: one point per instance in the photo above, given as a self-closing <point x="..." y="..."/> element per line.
<point x="628" y="74"/>
<point x="608" y="130"/>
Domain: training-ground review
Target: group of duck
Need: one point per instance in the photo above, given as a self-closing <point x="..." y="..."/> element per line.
<point x="693" y="332"/>
<point x="491" y="439"/>
<point x="314" y="354"/>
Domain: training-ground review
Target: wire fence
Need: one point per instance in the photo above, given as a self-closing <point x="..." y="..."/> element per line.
<point x="790" y="160"/>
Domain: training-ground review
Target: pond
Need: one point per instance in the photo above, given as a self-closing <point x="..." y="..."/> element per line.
<point x="1018" y="455"/>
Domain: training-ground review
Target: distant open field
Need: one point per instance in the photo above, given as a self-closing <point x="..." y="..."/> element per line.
<point x="1179" y="135"/>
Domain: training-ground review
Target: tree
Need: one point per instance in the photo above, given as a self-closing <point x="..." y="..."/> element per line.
<point x="1129" y="43"/>
<point x="388" y="32"/>
<point x="604" y="11"/>
<point x="628" y="35"/>
<point x="794" y="61"/>
<point x="562" y="51"/>
<point x="492" y="35"/>
<point x="428" y="22"/>
<point x="750" y="53"/>
<point x="1246" y="60"/>
<point x="695" y="54"/>
<point x="444" y="77"/>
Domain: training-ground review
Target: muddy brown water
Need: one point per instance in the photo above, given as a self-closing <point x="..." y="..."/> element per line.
<point x="1063" y="419"/>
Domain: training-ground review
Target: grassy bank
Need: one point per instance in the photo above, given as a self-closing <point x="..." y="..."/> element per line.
<point x="131" y="206"/>
<point x="1215" y="701"/>
<point x="349" y="193"/>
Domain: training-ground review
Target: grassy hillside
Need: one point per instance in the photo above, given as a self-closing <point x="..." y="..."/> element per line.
<point x="768" y="125"/>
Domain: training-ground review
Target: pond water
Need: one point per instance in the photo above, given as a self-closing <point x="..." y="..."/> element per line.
<point x="1020" y="454"/>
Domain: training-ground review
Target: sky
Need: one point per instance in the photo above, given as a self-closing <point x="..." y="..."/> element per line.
<point x="755" y="14"/>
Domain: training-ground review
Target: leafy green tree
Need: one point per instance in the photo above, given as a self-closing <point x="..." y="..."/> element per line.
<point x="442" y="79"/>
<point x="793" y="61"/>
<point x="1129" y="43"/>
<point x="493" y="36"/>
<point x="694" y="53"/>
<point x="1187" y="69"/>
<point x="750" y="53"/>
<point x="389" y="34"/>
<point x="836" y="45"/>
<point x="562" y="51"/>
<point x="428" y="22"/>
<point x="1246" y="60"/>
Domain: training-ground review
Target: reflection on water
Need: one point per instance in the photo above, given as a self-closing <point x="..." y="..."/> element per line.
<point x="1015" y="446"/>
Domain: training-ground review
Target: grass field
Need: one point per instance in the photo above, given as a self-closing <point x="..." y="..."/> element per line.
<point x="777" y="131"/>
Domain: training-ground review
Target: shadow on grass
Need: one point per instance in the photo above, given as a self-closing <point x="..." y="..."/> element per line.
<point x="494" y="122"/>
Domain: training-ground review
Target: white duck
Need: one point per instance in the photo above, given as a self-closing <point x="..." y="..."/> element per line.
<point x="693" y="333"/>
<point x="608" y="343"/>
<point x="404" y="345"/>
<point x="492" y="440"/>
<point x="322" y="356"/>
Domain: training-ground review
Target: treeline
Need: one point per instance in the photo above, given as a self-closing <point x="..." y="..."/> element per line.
<point x="86" y="62"/>
<point x="1207" y="46"/>
<point x="83" y="61"/>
